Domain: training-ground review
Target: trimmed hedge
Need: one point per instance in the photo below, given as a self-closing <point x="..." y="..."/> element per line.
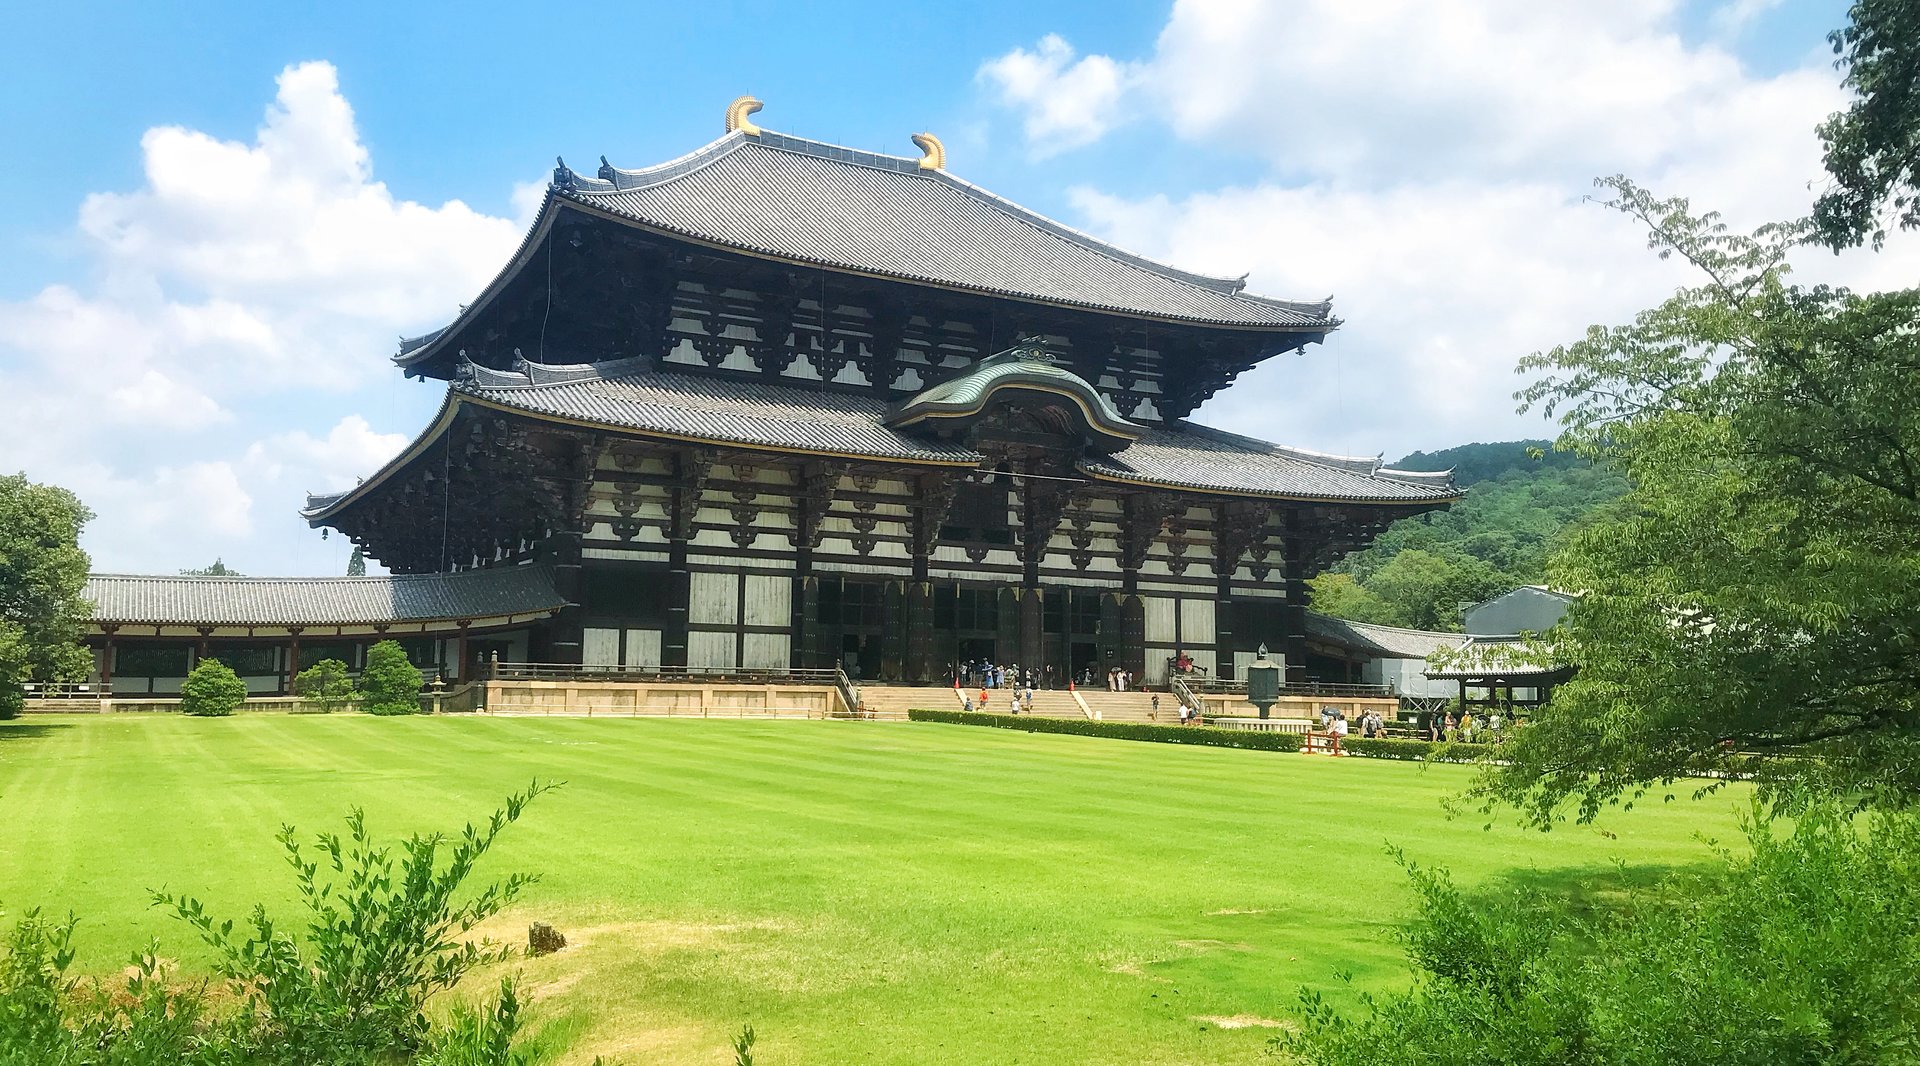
<point x="1415" y="750"/>
<point x="1161" y="734"/>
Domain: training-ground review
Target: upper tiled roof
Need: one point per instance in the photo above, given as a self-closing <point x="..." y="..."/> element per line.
<point x="809" y="202"/>
<point x="1516" y="660"/>
<point x="1184" y="455"/>
<point x="140" y="599"/>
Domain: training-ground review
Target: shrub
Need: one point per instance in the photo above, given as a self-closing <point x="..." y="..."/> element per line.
<point x="212" y="690"/>
<point x="1806" y="950"/>
<point x="385" y="932"/>
<point x="1163" y="734"/>
<point x="390" y="684"/>
<point x="1414" y="750"/>
<point x="324" y="686"/>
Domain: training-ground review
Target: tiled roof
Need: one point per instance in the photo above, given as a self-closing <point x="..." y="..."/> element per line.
<point x="809" y="202"/>
<point x="141" y="599"/>
<point x="630" y="396"/>
<point x="1184" y="455"/>
<point x="720" y="411"/>
<point x="1386" y="642"/>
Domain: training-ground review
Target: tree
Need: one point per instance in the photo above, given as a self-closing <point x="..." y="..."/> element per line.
<point x="357" y="563"/>
<point x="43" y="573"/>
<point x="1341" y="596"/>
<point x="1751" y="608"/>
<point x="324" y="685"/>
<point x="218" y="569"/>
<point x="1873" y="147"/>
<point x="390" y="684"/>
<point x="212" y="690"/>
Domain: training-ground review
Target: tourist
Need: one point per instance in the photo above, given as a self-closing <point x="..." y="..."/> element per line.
<point x="1338" y="732"/>
<point x="1154" y="714"/>
<point x="983" y="698"/>
<point x="966" y="703"/>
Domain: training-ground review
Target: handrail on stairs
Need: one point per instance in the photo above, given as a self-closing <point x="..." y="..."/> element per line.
<point x="1178" y="686"/>
<point x="848" y="692"/>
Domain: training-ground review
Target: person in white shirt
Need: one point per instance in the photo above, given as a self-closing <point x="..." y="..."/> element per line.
<point x="1338" y="732"/>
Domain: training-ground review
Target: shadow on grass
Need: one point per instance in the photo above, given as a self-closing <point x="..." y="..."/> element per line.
<point x="1595" y="893"/>
<point x="15" y="729"/>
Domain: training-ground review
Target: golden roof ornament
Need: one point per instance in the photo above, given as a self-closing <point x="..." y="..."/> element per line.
<point x="737" y="113"/>
<point x="933" y="153"/>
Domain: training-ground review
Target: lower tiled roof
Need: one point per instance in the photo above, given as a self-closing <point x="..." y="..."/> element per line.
<point x="725" y="411"/>
<point x="142" y="599"/>
<point x="1184" y="455"/>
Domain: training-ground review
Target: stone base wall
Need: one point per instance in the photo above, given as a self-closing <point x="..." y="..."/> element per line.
<point x="673" y="700"/>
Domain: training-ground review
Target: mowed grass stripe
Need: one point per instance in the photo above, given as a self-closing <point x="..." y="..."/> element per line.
<point x="861" y="892"/>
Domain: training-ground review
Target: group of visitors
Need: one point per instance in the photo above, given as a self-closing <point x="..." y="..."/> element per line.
<point x="1468" y="728"/>
<point x="1118" y="680"/>
<point x="982" y="673"/>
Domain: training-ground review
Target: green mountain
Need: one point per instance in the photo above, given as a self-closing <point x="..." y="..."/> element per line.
<point x="1423" y="570"/>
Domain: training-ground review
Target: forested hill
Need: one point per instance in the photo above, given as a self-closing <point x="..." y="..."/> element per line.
<point x="1422" y="570"/>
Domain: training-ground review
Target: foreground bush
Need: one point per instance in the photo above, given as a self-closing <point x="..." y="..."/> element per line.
<point x="390" y="684"/>
<point x="1163" y="734"/>
<point x="1806" y="951"/>
<point x="212" y="690"/>
<point x="324" y="686"/>
<point x="386" y="929"/>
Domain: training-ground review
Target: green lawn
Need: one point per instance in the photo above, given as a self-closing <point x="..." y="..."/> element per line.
<point x="859" y="892"/>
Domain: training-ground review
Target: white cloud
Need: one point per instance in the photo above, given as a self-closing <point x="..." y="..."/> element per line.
<point x="1068" y="102"/>
<point x="239" y="299"/>
<point x="1427" y="162"/>
<point x="351" y="450"/>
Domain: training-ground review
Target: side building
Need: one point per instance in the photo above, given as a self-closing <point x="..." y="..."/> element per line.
<point x="780" y="404"/>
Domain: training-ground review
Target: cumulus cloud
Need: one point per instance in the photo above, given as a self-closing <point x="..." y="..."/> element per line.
<point x="1428" y="163"/>
<point x="238" y="301"/>
<point x="1068" y="101"/>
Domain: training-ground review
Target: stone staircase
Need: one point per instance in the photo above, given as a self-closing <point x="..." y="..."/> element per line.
<point x="1131" y="706"/>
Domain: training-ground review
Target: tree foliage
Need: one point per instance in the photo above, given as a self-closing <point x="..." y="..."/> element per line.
<point x="325" y="685"/>
<point x="1521" y="502"/>
<point x="212" y="690"/>
<point x="1873" y="147"/>
<point x="390" y="684"/>
<point x="1807" y="950"/>
<point x="1752" y="607"/>
<point x="357" y="563"/>
<point x="42" y="574"/>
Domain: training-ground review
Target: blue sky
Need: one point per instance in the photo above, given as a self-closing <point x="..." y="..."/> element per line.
<point x="219" y="216"/>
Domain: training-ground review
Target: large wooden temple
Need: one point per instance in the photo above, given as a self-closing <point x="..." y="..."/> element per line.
<point x="781" y="404"/>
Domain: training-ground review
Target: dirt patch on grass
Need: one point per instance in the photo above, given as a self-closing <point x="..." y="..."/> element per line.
<point x="1241" y="1021"/>
<point x="1231" y="911"/>
<point x="1212" y="945"/>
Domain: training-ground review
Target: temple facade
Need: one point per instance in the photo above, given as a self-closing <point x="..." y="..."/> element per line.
<point x="779" y="404"/>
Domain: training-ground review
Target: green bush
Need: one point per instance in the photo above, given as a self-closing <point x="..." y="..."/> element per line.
<point x="1162" y="734"/>
<point x="324" y="686"/>
<point x="1807" y="950"/>
<point x="212" y="690"/>
<point x="1414" y="750"/>
<point x="387" y="929"/>
<point x="390" y="684"/>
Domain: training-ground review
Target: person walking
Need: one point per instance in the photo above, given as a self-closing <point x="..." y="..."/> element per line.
<point x="1154" y="714"/>
<point x="1337" y="733"/>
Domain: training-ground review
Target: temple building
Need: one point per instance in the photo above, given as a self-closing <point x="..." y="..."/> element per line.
<point x="779" y="404"/>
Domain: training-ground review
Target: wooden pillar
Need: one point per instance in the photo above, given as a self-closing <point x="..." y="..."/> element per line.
<point x="1032" y="629"/>
<point x="566" y="632"/>
<point x="463" y="673"/>
<point x="293" y="658"/>
<point x="919" y="625"/>
<point x="106" y="657"/>
<point x="1006" y="645"/>
<point x="1294" y="640"/>
<point x="201" y="650"/>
